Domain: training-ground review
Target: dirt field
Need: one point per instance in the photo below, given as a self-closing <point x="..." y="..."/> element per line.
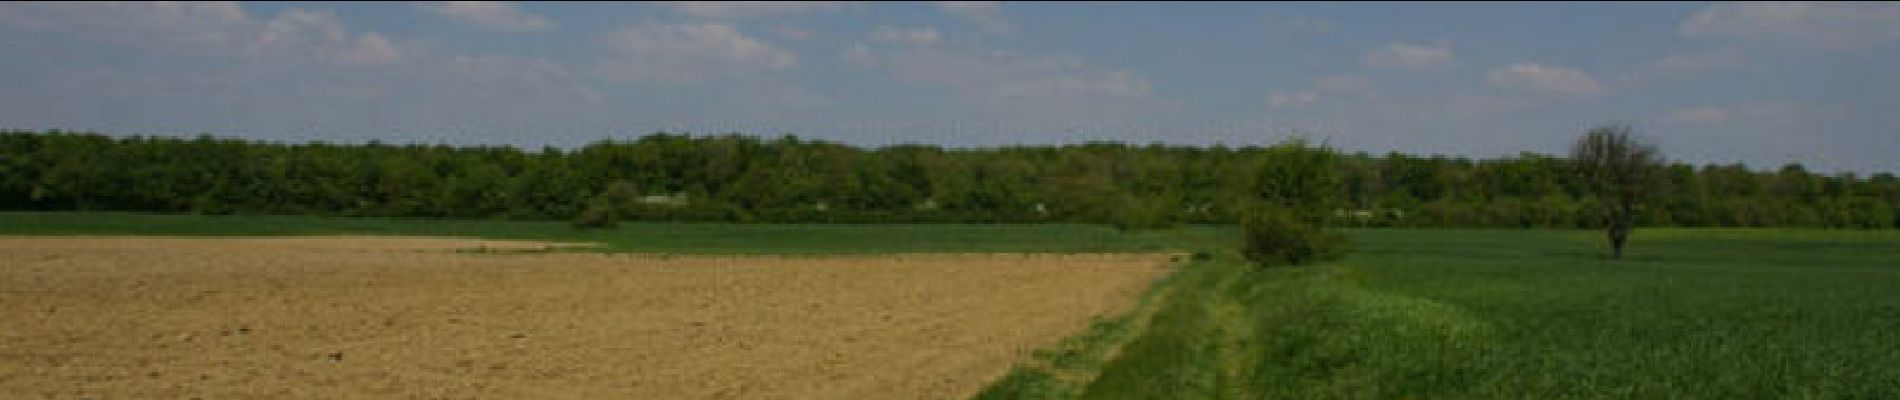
<point x="340" y="317"/>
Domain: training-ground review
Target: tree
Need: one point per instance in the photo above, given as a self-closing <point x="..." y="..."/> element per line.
<point x="1134" y="212"/>
<point x="1295" y="185"/>
<point x="599" y="214"/>
<point x="1297" y="177"/>
<point x="1620" y="170"/>
<point x="748" y="178"/>
<point x="1275" y="236"/>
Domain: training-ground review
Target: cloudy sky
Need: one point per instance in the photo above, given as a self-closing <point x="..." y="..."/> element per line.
<point x="1759" y="83"/>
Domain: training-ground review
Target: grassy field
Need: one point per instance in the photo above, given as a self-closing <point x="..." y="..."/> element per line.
<point x="1522" y="314"/>
<point x="1445" y="313"/>
<point x="651" y="237"/>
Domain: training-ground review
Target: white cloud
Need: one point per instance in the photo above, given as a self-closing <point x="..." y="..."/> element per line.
<point x="1697" y="62"/>
<point x="859" y="55"/>
<point x="499" y="16"/>
<point x="914" y="37"/>
<point x="1330" y="86"/>
<point x="170" y="18"/>
<point x="1698" y="115"/>
<point x="986" y="15"/>
<point x="321" y="35"/>
<point x="1311" y="25"/>
<point x="521" y="76"/>
<point x="370" y="49"/>
<point x="1535" y="77"/>
<point x="495" y="69"/>
<point x="1285" y="99"/>
<point x="1000" y="73"/>
<point x="753" y="9"/>
<point x="1829" y="24"/>
<point x="789" y="32"/>
<point x="211" y="67"/>
<point x="1752" y="113"/>
<point x="690" y="53"/>
<point x="1410" y="56"/>
<point x="1343" y="83"/>
<point x="211" y="28"/>
<point x="1002" y="96"/>
<point x="1768" y="133"/>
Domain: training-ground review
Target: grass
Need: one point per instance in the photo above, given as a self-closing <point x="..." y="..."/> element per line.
<point x="1447" y="313"/>
<point x="1533" y="314"/>
<point x="1066" y="369"/>
<point x="665" y="237"/>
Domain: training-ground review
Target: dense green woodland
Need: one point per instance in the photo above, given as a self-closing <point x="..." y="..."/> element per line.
<point x="741" y="178"/>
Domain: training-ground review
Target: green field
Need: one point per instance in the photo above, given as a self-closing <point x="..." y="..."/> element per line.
<point x="650" y="237"/>
<point x="1438" y="313"/>
<point x="1522" y="314"/>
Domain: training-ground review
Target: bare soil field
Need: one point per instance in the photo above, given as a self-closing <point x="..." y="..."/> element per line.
<point x="383" y="317"/>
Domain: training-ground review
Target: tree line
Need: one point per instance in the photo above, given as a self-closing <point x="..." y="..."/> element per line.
<point x="787" y="179"/>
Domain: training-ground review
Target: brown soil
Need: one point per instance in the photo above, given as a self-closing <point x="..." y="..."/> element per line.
<point x="340" y="317"/>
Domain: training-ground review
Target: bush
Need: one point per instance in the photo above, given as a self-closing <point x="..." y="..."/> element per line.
<point x="599" y="214"/>
<point x="1276" y="237"/>
<point x="1135" y="214"/>
<point x="205" y="205"/>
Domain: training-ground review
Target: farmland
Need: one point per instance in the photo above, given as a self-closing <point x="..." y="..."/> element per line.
<point x="947" y="200"/>
<point x="646" y="237"/>
<point x="1514" y="314"/>
<point x="381" y="317"/>
<point x="1427" y="313"/>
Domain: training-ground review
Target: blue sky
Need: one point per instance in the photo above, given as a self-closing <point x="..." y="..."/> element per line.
<point x="1759" y="83"/>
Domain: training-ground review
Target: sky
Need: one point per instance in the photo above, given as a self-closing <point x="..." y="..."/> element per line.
<point x="1710" y="83"/>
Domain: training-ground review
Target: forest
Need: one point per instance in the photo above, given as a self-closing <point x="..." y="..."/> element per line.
<point x="739" y="178"/>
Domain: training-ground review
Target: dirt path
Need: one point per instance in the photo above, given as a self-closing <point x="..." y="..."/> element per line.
<point x="341" y="317"/>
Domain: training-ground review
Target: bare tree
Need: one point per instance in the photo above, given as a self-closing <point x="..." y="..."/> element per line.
<point x="1621" y="170"/>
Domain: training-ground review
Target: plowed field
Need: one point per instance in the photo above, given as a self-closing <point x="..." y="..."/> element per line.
<point x="376" y="317"/>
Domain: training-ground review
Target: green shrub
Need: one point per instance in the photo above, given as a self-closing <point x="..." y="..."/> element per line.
<point x="1135" y="214"/>
<point x="1277" y="237"/>
<point x="599" y="214"/>
<point x="205" y="205"/>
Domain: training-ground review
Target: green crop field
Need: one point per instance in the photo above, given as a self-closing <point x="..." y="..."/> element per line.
<point x="1516" y="314"/>
<point x="653" y="237"/>
<point x="1413" y="313"/>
